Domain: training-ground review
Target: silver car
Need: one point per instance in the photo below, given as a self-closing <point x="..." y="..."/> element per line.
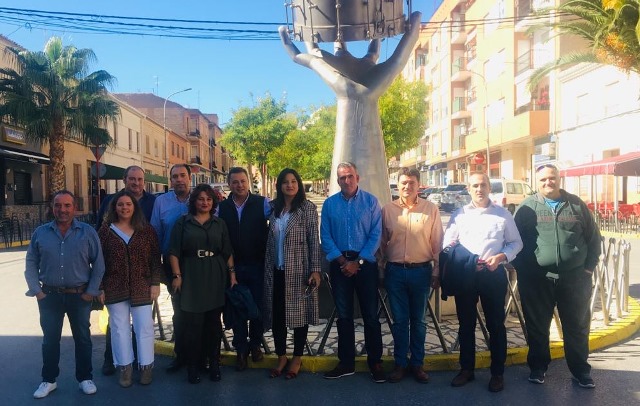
<point x="435" y="196"/>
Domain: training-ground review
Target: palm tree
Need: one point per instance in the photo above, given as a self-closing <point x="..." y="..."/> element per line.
<point x="609" y="28"/>
<point x="51" y="95"/>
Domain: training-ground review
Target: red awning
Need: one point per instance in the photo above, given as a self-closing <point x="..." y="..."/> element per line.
<point x="622" y="165"/>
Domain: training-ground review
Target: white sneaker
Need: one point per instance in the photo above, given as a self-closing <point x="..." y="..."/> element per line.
<point x="44" y="389"/>
<point x="88" y="387"/>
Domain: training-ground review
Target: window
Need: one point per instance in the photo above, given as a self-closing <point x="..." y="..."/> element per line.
<point x="115" y="133"/>
<point x="137" y="141"/>
<point x="155" y="147"/>
<point x="612" y="94"/>
<point x="182" y="153"/>
<point x="130" y="140"/>
<point x="494" y="113"/>
<point x="173" y="149"/>
<point x="147" y="145"/>
<point x="494" y="67"/>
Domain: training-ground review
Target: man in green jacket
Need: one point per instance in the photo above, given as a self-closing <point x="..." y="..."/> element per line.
<point x="562" y="246"/>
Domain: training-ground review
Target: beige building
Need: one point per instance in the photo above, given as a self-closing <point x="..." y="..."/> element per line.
<point x="477" y="62"/>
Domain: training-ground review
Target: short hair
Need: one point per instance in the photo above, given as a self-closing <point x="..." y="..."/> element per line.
<point x="126" y="171"/>
<point x="298" y="199"/>
<point x="64" y="192"/>
<point x="234" y="170"/>
<point x="138" y="220"/>
<point x="187" y="167"/>
<point x="410" y="172"/>
<point x="551" y="166"/>
<point x="347" y="164"/>
<point x="483" y="174"/>
<point x="193" y="197"/>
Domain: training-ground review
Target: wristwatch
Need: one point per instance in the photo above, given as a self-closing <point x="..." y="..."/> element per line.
<point x="360" y="261"/>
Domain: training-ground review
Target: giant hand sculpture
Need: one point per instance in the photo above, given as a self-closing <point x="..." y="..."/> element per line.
<point x="358" y="84"/>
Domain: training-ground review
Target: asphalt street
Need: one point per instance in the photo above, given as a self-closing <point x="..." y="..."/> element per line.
<point x="616" y="371"/>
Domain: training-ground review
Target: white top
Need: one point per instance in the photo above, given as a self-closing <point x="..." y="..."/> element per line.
<point x="121" y="233"/>
<point x="484" y="231"/>
<point x="279" y="231"/>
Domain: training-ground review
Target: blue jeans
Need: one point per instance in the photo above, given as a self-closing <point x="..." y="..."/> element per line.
<point x="365" y="284"/>
<point x="251" y="276"/>
<point x="52" y="311"/>
<point x="408" y="291"/>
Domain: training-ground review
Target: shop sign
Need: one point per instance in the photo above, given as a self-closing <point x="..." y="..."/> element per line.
<point x="13" y="135"/>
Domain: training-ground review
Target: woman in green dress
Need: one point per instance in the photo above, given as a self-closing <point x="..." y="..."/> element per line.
<point x="201" y="260"/>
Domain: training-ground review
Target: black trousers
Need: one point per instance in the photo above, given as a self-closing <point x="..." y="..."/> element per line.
<point x="491" y="288"/>
<point x="279" y="322"/>
<point x="572" y="295"/>
<point x="202" y="336"/>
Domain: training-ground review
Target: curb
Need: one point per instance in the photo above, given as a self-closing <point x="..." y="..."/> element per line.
<point x="616" y="332"/>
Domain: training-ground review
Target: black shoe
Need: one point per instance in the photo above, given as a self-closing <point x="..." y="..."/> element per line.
<point x="174" y="366"/>
<point x="339" y="372"/>
<point x="585" y="381"/>
<point x="536" y="376"/>
<point x="377" y="374"/>
<point x="108" y="368"/>
<point x="241" y="361"/>
<point x="256" y="354"/>
<point x="496" y="384"/>
<point x="192" y="374"/>
<point x="214" y="373"/>
<point x="464" y="377"/>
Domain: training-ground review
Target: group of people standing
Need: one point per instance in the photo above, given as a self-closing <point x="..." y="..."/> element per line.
<point x="266" y="254"/>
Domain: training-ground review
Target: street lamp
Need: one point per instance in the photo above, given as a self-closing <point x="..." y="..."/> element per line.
<point x="164" y="126"/>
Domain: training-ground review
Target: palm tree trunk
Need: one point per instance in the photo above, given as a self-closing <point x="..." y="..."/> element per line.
<point x="56" y="154"/>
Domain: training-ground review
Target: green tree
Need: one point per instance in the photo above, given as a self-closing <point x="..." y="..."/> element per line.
<point x="403" y="112"/>
<point x="53" y="97"/>
<point x="254" y="132"/>
<point x="610" y="28"/>
<point x="308" y="149"/>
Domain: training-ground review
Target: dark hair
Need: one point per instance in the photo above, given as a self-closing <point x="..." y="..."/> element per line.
<point x="126" y="171"/>
<point x="187" y="167"/>
<point x="236" y="169"/>
<point x="195" y="192"/>
<point x="63" y="192"/>
<point x="410" y="172"/>
<point x="298" y="199"/>
<point x="138" y="221"/>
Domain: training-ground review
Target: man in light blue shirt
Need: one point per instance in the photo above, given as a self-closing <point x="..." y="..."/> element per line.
<point x="166" y="211"/>
<point x="64" y="268"/>
<point x="486" y="230"/>
<point x="350" y="230"/>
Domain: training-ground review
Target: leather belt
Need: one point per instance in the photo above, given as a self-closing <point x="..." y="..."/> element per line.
<point x="199" y="253"/>
<point x="350" y="255"/>
<point x="62" y="289"/>
<point x="411" y="264"/>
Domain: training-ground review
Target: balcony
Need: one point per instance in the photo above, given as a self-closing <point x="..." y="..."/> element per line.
<point x="194" y="134"/>
<point x="458" y="144"/>
<point x="459" y="72"/>
<point x="458" y="33"/>
<point x="524" y="63"/>
<point x="459" y="108"/>
<point x="531" y="123"/>
<point x="196" y="160"/>
<point x="524" y="13"/>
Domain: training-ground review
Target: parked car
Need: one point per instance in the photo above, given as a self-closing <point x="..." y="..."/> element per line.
<point x="424" y="192"/>
<point x="395" y="193"/>
<point x="453" y="196"/>
<point x="509" y="193"/>
<point x="221" y="188"/>
<point x="435" y="196"/>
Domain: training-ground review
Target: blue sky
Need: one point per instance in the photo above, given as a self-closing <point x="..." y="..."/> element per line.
<point x="223" y="74"/>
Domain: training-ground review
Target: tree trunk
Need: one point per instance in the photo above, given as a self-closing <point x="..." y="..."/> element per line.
<point x="56" y="155"/>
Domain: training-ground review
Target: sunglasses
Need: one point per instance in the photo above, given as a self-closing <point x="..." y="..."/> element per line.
<point x="308" y="291"/>
<point x="541" y="167"/>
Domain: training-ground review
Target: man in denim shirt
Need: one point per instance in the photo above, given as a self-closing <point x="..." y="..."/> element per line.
<point x="64" y="268"/>
<point x="350" y="230"/>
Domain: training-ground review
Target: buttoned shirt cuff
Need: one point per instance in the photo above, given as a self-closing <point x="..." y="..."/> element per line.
<point x="32" y="292"/>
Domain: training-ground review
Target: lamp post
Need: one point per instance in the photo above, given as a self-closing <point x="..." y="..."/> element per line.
<point x="164" y="126"/>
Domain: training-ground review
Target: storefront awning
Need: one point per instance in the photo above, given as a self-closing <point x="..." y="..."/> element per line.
<point x="439" y="165"/>
<point x="25" y="156"/>
<point x="621" y="165"/>
<point x="150" y="177"/>
<point x="111" y="172"/>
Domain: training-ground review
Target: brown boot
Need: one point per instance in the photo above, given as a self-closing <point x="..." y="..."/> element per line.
<point x="464" y="376"/>
<point x="397" y="374"/>
<point x="419" y="374"/>
<point x="146" y="374"/>
<point x="126" y="373"/>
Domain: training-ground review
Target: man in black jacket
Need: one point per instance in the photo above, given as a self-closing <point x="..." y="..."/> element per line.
<point x="562" y="246"/>
<point x="246" y="216"/>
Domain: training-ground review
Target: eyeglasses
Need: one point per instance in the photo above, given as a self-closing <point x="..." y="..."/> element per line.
<point x="541" y="167"/>
<point x="308" y="291"/>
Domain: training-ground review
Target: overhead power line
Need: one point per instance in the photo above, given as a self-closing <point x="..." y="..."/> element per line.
<point x="195" y="29"/>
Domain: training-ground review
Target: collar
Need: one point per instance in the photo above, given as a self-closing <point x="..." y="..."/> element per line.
<point x="241" y="204"/>
<point x="74" y="224"/>
<point x="401" y="203"/>
<point x="355" y="195"/>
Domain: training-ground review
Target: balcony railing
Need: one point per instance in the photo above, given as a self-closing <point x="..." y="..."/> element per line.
<point x="196" y="160"/>
<point x="523" y="9"/>
<point x="459" y="104"/>
<point x="458" y="142"/>
<point x="524" y="62"/>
